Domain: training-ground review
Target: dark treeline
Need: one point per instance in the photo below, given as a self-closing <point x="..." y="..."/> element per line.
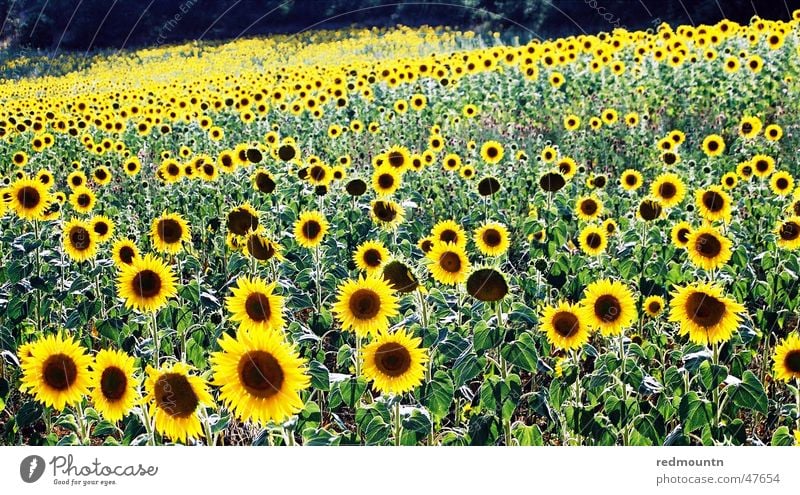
<point x="81" y="25"/>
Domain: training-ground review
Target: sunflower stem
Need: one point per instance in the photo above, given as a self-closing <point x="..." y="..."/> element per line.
<point x="797" y="402"/>
<point x="156" y="343"/>
<point x="357" y="357"/>
<point x="82" y="430"/>
<point x="576" y="357"/>
<point x="398" y="424"/>
<point x="317" y="283"/>
<point x="715" y="390"/>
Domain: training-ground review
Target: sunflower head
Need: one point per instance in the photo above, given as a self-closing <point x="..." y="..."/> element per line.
<point x="492" y="239"/>
<point x="242" y="220"/>
<point x="370" y="256"/>
<point x="175" y="397"/>
<point x="787" y="359"/>
<point x="255" y="306"/>
<point x="394" y="362"/>
<point x="565" y="326"/>
<point x="146" y="283"/>
<point x="708" y="248"/>
<point x="79" y="240"/>
<point x="593" y="240"/>
<point x="608" y="306"/>
<point x="788" y="233"/>
<point x="29" y="198"/>
<point x="114" y="388"/>
<point x="653" y="305"/>
<point x="704" y="313"/>
<point x="365" y="305"/>
<point x="310" y="228"/>
<point x="57" y="371"/>
<point x="487" y="284"/>
<point x="448" y="263"/>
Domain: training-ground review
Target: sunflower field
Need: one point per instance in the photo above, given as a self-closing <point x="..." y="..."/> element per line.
<point x="406" y="237"/>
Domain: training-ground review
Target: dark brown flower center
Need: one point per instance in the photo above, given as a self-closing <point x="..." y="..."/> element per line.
<point x="259" y="248"/>
<point x="607" y="308"/>
<point x="565" y="324"/>
<point x="492" y="237"/>
<point x="630" y="180"/>
<point x="365" y="304"/>
<point x="79" y="238"/>
<point x="385" y="181"/>
<point x="29" y="197"/>
<point x="448" y="235"/>
<point x="792" y="361"/>
<point x="762" y="165"/>
<point x="488" y="186"/>
<point x="372" y="257"/>
<point x="286" y="152"/>
<point x="175" y="395"/>
<point x="113" y="383"/>
<point x="704" y="310"/>
<point x="146" y="284"/>
<point x="311" y="229"/>
<point x="491" y="152"/>
<point x="317" y="172"/>
<point x="487" y="284"/>
<point x="399" y="277"/>
<point x="450" y="262"/>
<point x="169" y="230"/>
<point x="257" y="307"/>
<point x="707" y="245"/>
<point x="101" y="228"/>
<point x="713" y="201"/>
<point x="392" y="359"/>
<point x="782" y="183"/>
<point x="654" y="306"/>
<point x="789" y="231"/>
<point x="384" y="211"/>
<point x="126" y="254"/>
<point x="589" y="207"/>
<point x="594" y="241"/>
<point x="261" y="374"/>
<point x="59" y="372"/>
<point x="683" y="235"/>
<point x="667" y="190"/>
<point x="396" y="159"/>
<point x="84" y="200"/>
<point x="713" y="145"/>
<point x="649" y="210"/>
<point x="241" y="221"/>
<point x="552" y="182"/>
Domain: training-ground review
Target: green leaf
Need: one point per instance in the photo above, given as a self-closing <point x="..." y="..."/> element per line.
<point x="438" y="394"/>
<point x="29" y="413"/>
<point x="486" y="337"/>
<point x="712" y="375"/>
<point x="320" y="377"/>
<point x="782" y="437"/>
<point x="466" y="368"/>
<point x="522" y="353"/>
<point x="749" y="393"/>
<point x="416" y="419"/>
<point x="695" y="412"/>
<point x="528" y="436"/>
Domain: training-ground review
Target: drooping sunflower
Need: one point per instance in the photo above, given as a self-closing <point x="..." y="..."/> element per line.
<point x="680" y="234"/>
<point x="708" y="248"/>
<point x="492" y="152"/>
<point x="175" y="398"/>
<point x="124" y="252"/>
<point x="492" y="239"/>
<point x="449" y="231"/>
<point x="713" y="145"/>
<point x="82" y="199"/>
<point x="564" y="326"/>
<point x="255" y="306"/>
<point x="310" y="228"/>
<point x="781" y="183"/>
<point x="261" y="247"/>
<point x="365" y="305"/>
<point x="103" y="227"/>
<point x="113" y="384"/>
<point x="588" y="208"/>
<point x="242" y="219"/>
<point x="653" y="305"/>
<point x="714" y="204"/>
<point x="29" y="198"/>
<point x="79" y="240"/>
<point x="260" y="375"/>
<point x="146" y="283"/>
<point x="263" y="181"/>
<point x="609" y="306"/>
<point x="593" y="240"/>
<point x="169" y="232"/>
<point x="370" y="256"/>
<point x="487" y="284"/>
<point x="385" y="180"/>
<point x="668" y="189"/>
<point x="57" y="371"/>
<point x="394" y="362"/>
<point x="787" y="359"/>
<point x="387" y="213"/>
<point x="704" y="313"/>
<point x="631" y="180"/>
<point x="400" y="277"/>
<point x="788" y="233"/>
<point x="448" y="263"/>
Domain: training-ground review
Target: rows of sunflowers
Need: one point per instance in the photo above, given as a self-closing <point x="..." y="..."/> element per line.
<point x="406" y="237"/>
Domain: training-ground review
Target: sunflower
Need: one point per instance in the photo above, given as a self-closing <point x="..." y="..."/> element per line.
<point x="168" y="232"/>
<point x="781" y="183"/>
<point x="631" y="180"/>
<point x="788" y="233"/>
<point x="773" y="132"/>
<point x="588" y="208"/>
<point x="113" y="384"/>
<point x="704" y="313"/>
<point x="175" y="398"/>
<point x="370" y="256"/>
<point x="57" y="371"/>
<point x="713" y="145"/>
<point x="132" y="166"/>
<point x="399" y="158"/>
<point x="76" y="179"/>
<point x="610" y="226"/>
<point x="448" y="263"/>
<point x="146" y="283"/>
<point x="787" y="359"/>
<point x="385" y="180"/>
<point x="492" y="152"/>
<point x="365" y="305"/>
<point x="593" y="240"/>
<point x="714" y="204"/>
<point x="260" y="247"/>
<point x="680" y="234"/>
<point x="310" y="228"/>
<point x="749" y="127"/>
<point x="449" y="231"/>
<point x="668" y="189"/>
<point x="255" y="306"/>
<point x="608" y="306"/>
<point x="242" y="219"/>
<point x="263" y="181"/>
<point x="729" y="180"/>
<point x="387" y="213"/>
<point x="552" y="182"/>
<point x="260" y="377"/>
<point x="492" y="239"/>
<point x="763" y="165"/>
<point x="103" y="227"/>
<point x="46" y="178"/>
<point x="653" y="305"/>
<point x="567" y="167"/>
<point x="82" y="199"/>
<point x="451" y="162"/>
<point x="400" y="277"/>
<point x="124" y="252"/>
<point x="564" y="326"/>
<point x="394" y="362"/>
<point x="79" y="240"/>
<point x="29" y="198"/>
<point x="708" y="248"/>
<point x="101" y="175"/>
